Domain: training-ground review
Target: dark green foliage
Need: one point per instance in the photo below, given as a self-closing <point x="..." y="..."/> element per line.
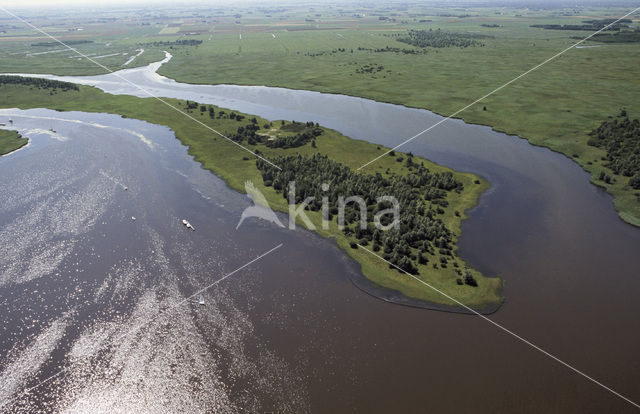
<point x="389" y="49"/>
<point x="37" y="82"/>
<point x="441" y="38"/>
<point x="184" y="42"/>
<point x="634" y="182"/>
<point x="419" y="227"/>
<point x="294" y="141"/>
<point x="247" y="132"/>
<point x="621" y="140"/>
<point x="624" y="36"/>
<point x="305" y="133"/>
<point x="590" y="25"/>
<point x="469" y="279"/>
<point x="370" y="68"/>
<point x="67" y="42"/>
<point x="297" y="126"/>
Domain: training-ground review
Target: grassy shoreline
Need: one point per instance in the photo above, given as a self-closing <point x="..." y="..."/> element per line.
<point x="235" y="166"/>
<point x="11" y="141"/>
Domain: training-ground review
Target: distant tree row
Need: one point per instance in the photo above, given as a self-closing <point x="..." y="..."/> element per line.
<point x="37" y="82"/>
<point x="621" y="140"/>
<point x="387" y="49"/>
<point x="623" y="36"/>
<point x="193" y="106"/>
<point x="590" y="25"/>
<point x="394" y="50"/>
<point x="441" y="38"/>
<point x="420" y="233"/>
<point x="182" y="42"/>
<point x="370" y="68"/>
<point x="67" y="42"/>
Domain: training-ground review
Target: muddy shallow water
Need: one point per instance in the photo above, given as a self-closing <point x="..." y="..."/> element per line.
<point x="81" y="283"/>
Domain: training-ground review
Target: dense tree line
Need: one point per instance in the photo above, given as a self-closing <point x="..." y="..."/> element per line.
<point x="440" y="38"/>
<point x="193" y="106"/>
<point x="621" y="140"/>
<point x="67" y="42"/>
<point x="387" y="49"/>
<point x="459" y="16"/>
<point x="421" y="195"/>
<point x="183" y="42"/>
<point x="37" y="82"/>
<point x="624" y="36"/>
<point x="393" y="50"/>
<point x="590" y="25"/>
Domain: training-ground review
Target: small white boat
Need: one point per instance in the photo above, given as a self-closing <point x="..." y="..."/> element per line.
<point x="201" y="300"/>
<point x="133" y="218"/>
<point x="188" y="225"/>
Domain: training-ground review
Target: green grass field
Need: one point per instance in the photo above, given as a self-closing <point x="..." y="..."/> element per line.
<point x="235" y="166"/>
<point x="11" y="141"/>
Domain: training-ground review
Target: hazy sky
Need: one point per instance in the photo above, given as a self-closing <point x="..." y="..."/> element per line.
<point x="22" y="3"/>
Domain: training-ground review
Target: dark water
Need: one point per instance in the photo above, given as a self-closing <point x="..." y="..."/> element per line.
<point x="290" y="333"/>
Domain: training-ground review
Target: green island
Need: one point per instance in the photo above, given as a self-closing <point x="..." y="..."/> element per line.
<point x="435" y="197"/>
<point x="11" y="141"/>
